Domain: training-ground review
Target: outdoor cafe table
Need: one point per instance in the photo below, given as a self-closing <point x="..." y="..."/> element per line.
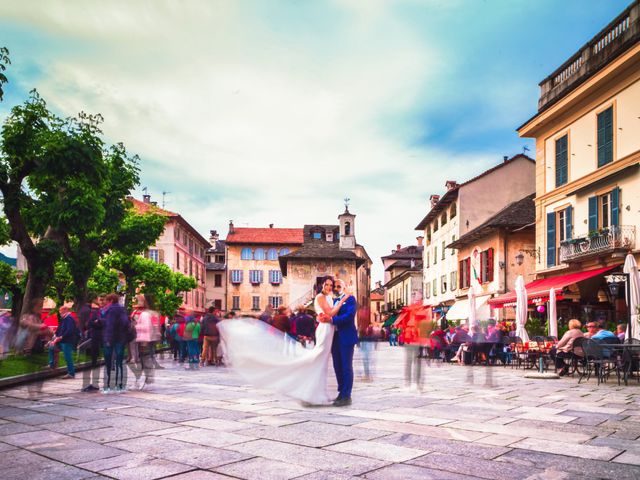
<point x="628" y="352"/>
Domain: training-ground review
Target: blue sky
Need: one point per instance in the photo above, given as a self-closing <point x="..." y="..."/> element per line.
<point x="274" y="111"/>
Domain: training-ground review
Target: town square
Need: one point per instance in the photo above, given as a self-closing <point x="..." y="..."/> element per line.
<point x="331" y="239"/>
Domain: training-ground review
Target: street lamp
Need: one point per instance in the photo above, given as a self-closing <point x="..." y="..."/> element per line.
<point x="613" y="282"/>
<point x="532" y="252"/>
<point x="520" y="258"/>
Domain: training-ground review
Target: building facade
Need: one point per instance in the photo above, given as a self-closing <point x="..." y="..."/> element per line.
<point x="216" y="267"/>
<point x="254" y="278"/>
<point x="403" y="276"/>
<point x="180" y="247"/>
<point x="587" y="135"/>
<point x="330" y="250"/>
<point x="377" y="303"/>
<point x="461" y="209"/>
<point x="492" y="256"/>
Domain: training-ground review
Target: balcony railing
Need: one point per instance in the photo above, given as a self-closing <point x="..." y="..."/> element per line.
<point x="615" y="38"/>
<point x="607" y="240"/>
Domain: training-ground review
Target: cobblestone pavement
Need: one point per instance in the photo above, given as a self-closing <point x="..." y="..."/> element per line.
<point x="467" y="423"/>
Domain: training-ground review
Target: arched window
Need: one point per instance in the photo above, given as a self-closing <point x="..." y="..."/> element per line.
<point x="272" y="254"/>
<point x="347" y="228"/>
<point x="259" y="254"/>
<point x="246" y="254"/>
<point x="284" y="251"/>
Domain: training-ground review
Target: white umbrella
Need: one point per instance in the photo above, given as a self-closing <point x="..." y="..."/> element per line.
<point x="521" y="309"/>
<point x="472" y="309"/>
<point x="631" y="267"/>
<point x="553" y="320"/>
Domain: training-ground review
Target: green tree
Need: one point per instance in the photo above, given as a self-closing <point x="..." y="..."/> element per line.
<point x="4" y="61"/>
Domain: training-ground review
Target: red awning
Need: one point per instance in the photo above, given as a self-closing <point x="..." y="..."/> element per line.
<point x="538" y="290"/>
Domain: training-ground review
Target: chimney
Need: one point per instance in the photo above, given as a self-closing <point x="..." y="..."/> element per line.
<point x="420" y="239"/>
<point x="231" y="229"/>
<point x="146" y="198"/>
<point x="398" y="247"/>
<point x="505" y="158"/>
<point x="271" y="225"/>
<point x="378" y="284"/>
<point x="434" y="199"/>
<point x="213" y="238"/>
<point x="451" y="184"/>
<point x="155" y="204"/>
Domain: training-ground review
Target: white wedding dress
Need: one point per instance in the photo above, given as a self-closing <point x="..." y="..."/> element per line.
<point x="268" y="358"/>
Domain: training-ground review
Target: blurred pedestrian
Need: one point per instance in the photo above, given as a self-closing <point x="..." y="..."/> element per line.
<point x="211" y="338"/>
<point x="281" y="320"/>
<point x="65" y="338"/>
<point x="92" y="320"/>
<point x="115" y="333"/>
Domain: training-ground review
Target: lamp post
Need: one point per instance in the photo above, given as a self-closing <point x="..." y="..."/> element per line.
<point x="613" y="282"/>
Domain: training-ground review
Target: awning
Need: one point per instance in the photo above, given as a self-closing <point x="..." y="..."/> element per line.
<point x="460" y="309"/>
<point x="389" y="321"/>
<point x="538" y="290"/>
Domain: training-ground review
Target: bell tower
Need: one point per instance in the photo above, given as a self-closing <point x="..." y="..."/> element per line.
<point x="347" y="228"/>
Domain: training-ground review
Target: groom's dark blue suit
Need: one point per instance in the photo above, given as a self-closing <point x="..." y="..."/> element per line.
<point x="344" y="340"/>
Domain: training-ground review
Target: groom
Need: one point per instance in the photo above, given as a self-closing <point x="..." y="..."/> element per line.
<point x="344" y="341"/>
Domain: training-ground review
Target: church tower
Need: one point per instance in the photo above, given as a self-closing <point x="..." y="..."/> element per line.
<point x="347" y="228"/>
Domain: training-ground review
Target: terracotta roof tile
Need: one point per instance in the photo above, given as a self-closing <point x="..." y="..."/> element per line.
<point x="265" y="235"/>
<point x="142" y="208"/>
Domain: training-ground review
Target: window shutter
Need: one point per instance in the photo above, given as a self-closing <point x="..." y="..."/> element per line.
<point x="568" y="222"/>
<point x="551" y="239"/>
<point x="461" y="273"/>
<point x="608" y="135"/>
<point x="561" y="161"/>
<point x="593" y="214"/>
<point x="160" y="255"/>
<point x="490" y="265"/>
<point x="468" y="282"/>
<point x="601" y="158"/>
<point x="615" y="206"/>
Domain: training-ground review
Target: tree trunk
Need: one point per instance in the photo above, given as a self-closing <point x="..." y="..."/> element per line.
<point x="36" y="285"/>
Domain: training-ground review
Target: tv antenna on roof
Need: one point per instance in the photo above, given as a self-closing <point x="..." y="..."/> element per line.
<point x="145" y="190"/>
<point x="164" y="202"/>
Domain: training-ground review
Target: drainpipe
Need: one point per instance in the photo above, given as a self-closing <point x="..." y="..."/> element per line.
<point x="506" y="263"/>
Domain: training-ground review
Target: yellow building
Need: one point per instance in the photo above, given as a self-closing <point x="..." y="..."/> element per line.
<point x="587" y="133"/>
<point x="254" y="279"/>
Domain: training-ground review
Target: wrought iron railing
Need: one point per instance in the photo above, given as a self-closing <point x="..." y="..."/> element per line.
<point x="613" y="238"/>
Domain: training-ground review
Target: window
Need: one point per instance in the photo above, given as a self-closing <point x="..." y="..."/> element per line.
<point x="177" y="260"/>
<point x="317" y="235"/>
<point x="427" y="259"/>
<point x="465" y="273"/>
<point x="443" y="249"/>
<point x="246" y="254"/>
<point x="443" y="219"/>
<point x="435" y="255"/>
<point x="255" y="303"/>
<point x="236" y="276"/>
<point x="153" y="255"/>
<point x="217" y="304"/>
<point x="275" y="277"/>
<point x="443" y="284"/>
<point x="255" y="277"/>
<point x="604" y="210"/>
<point x="217" y="280"/>
<point x="190" y="267"/>
<point x="559" y="229"/>
<point x="453" y="211"/>
<point x="428" y="234"/>
<point x="219" y="258"/>
<point x="275" y="301"/>
<point x="427" y="290"/>
<point x="435" y="226"/>
<point x="453" y="239"/>
<point x="605" y="137"/>
<point x="453" y="281"/>
<point x="434" y="286"/>
<point x="284" y="251"/>
<point x="486" y="266"/>
<point x="259" y="254"/>
<point x="347" y="229"/>
<point x="562" y="161"/>
<point x="235" y="303"/>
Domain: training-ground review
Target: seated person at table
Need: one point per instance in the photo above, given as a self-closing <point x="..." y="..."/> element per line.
<point x="599" y="334"/>
<point x="563" y="349"/>
<point x="438" y="342"/>
<point x="494" y="334"/>
<point x="621" y="332"/>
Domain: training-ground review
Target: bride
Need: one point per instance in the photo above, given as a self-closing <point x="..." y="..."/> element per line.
<point x="268" y="358"/>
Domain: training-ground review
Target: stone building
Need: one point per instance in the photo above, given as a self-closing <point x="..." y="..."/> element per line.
<point x="254" y="278"/>
<point x="216" y="265"/>
<point x="403" y="276"/>
<point x="329" y="250"/>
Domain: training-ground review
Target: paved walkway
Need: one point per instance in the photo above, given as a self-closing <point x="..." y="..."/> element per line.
<point x="467" y="423"/>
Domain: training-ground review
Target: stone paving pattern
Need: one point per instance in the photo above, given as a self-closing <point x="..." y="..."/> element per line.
<point x="468" y="422"/>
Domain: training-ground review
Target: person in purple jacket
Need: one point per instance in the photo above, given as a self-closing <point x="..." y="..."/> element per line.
<point x="114" y="337"/>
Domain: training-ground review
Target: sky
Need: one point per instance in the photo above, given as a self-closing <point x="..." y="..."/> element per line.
<point x="272" y="111"/>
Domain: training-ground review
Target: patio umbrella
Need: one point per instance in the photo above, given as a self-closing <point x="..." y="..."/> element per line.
<point x="521" y="309"/>
<point x="631" y="267"/>
<point x="553" y="317"/>
<point x="472" y="309"/>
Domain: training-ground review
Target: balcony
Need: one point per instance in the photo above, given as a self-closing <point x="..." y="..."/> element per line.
<point x="617" y="37"/>
<point x="609" y="240"/>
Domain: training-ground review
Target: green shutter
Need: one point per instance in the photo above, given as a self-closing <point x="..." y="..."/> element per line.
<point x="561" y="161"/>
<point x="605" y="137"/>
<point x="615" y="206"/>
<point x="593" y="214"/>
<point x="568" y="222"/>
<point x="551" y="239"/>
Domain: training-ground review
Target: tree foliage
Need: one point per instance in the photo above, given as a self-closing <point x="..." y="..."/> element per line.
<point x="4" y="61"/>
